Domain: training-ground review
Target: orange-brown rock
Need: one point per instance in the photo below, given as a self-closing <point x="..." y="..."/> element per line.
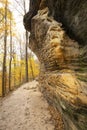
<point x="63" y="78"/>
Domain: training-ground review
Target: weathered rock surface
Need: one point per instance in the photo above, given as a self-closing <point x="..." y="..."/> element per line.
<point x="63" y="61"/>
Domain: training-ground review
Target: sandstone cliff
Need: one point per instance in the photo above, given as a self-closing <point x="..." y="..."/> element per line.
<point x="59" y="39"/>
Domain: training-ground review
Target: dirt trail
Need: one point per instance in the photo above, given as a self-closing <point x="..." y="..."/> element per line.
<point x="25" y="109"/>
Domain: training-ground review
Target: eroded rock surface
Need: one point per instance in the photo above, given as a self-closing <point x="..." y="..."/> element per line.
<point x="63" y="61"/>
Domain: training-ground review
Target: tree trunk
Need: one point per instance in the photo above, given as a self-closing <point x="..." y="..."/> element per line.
<point x="31" y="67"/>
<point x="10" y="54"/>
<point x="26" y="56"/>
<point x="4" y="57"/>
<point x="14" y="70"/>
<point x="26" y="47"/>
<point x="20" y="62"/>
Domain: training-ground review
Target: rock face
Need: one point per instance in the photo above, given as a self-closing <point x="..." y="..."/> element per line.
<point x="72" y="13"/>
<point x="63" y="76"/>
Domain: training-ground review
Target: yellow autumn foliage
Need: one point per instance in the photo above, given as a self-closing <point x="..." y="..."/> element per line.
<point x="2" y="19"/>
<point x="18" y="72"/>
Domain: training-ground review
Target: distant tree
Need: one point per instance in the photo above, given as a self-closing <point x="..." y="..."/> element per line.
<point x="31" y="66"/>
<point x="5" y="50"/>
<point x="26" y="46"/>
<point x="10" y="53"/>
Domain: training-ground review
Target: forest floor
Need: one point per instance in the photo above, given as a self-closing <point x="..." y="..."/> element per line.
<point x="25" y="109"/>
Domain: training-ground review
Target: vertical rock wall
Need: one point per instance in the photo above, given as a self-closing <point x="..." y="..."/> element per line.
<point x="63" y="77"/>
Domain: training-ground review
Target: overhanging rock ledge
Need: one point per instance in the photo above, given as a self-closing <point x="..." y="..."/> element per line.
<point x="63" y="76"/>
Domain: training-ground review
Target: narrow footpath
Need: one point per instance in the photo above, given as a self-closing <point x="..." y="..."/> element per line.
<point x="25" y="109"/>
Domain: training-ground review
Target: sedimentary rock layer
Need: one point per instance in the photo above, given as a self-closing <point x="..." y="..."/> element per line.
<point x="63" y="77"/>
